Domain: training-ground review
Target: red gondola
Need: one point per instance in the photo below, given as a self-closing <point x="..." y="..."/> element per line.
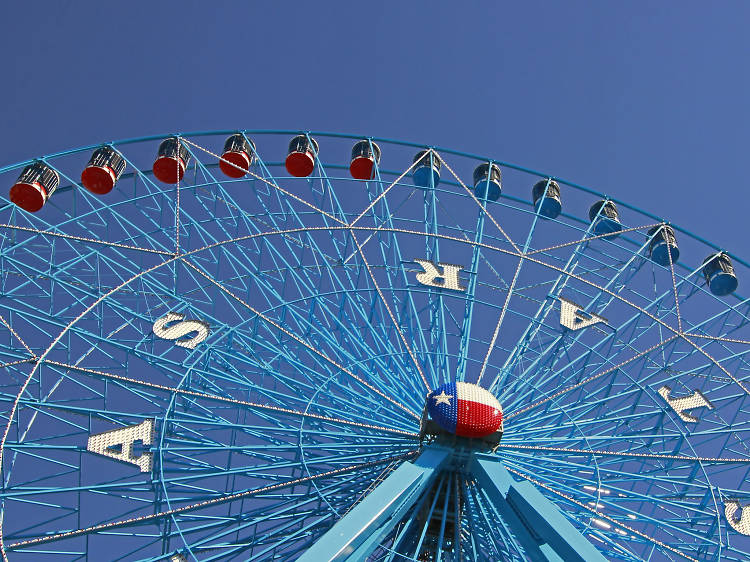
<point x="238" y="156"/>
<point x="34" y="187"/>
<point x="103" y="170"/>
<point x="301" y="159"/>
<point x="365" y="156"/>
<point x="172" y="161"/>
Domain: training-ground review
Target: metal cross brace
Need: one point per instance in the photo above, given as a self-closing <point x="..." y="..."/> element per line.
<point x="537" y="524"/>
<point x="544" y="533"/>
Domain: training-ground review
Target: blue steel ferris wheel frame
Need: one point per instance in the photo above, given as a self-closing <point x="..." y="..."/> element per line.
<point x="319" y="346"/>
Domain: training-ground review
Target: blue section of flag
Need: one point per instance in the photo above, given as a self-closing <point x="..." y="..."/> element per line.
<point x="445" y="415"/>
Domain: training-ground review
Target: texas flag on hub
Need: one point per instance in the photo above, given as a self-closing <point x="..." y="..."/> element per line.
<point x="465" y="409"/>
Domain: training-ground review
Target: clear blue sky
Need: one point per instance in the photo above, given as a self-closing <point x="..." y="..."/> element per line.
<point x="645" y="101"/>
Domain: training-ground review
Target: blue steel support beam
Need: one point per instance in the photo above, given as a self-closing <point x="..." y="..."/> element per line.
<point x="361" y="530"/>
<point x="542" y="530"/>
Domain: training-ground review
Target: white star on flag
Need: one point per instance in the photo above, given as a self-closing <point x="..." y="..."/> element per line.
<point x="443" y="398"/>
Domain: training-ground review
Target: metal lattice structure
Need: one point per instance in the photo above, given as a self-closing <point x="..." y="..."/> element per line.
<point x="223" y="368"/>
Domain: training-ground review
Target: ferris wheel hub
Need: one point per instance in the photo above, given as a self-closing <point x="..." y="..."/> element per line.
<point x="465" y="410"/>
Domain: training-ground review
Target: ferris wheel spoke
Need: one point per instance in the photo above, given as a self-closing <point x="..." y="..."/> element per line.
<point x="500" y="321"/>
<point x="302" y="342"/>
<point x="661" y="532"/>
<point x="200" y="411"/>
<point x="575" y="339"/>
<point x="469" y="192"/>
<point x="238" y="400"/>
<point x="436" y="300"/>
<point x="511" y="290"/>
<point x="541" y="313"/>
<point x="304" y="371"/>
<point x="379" y="214"/>
<point x="226" y="399"/>
<point x="207" y="478"/>
<point x="624" y="454"/>
<point x="593" y="359"/>
<point x="344" y="399"/>
<point x="592" y="397"/>
<point x="598" y="375"/>
<point x="340" y="398"/>
<point x="477" y="255"/>
<point x="273" y="535"/>
<point x="104" y="221"/>
<point x="273" y="184"/>
<point x="333" y="316"/>
<point x="396" y="323"/>
<point x="155" y="517"/>
<point x="474" y="273"/>
<point x="611" y="480"/>
<point x="589" y="237"/>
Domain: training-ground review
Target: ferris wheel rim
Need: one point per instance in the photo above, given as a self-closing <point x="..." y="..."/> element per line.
<point x="468" y="243"/>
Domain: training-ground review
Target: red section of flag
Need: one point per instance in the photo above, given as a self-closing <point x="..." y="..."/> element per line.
<point x="479" y="413"/>
<point x="476" y="419"/>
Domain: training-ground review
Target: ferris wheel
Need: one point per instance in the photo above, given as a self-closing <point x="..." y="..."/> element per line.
<point x="274" y="345"/>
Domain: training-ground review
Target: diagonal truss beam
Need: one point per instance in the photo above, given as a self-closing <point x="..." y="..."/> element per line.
<point x="361" y="530"/>
<point x="540" y="529"/>
<point x="543" y="531"/>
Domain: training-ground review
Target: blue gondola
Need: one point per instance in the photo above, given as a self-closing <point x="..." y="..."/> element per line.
<point x="547" y="201"/>
<point x="427" y="169"/>
<point x="663" y="244"/>
<point x="603" y="215"/>
<point x="719" y="274"/>
<point x="487" y="181"/>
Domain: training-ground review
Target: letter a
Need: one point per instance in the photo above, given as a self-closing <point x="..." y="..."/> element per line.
<point x="741" y="525"/>
<point x="679" y="405"/>
<point x="573" y="317"/>
<point x="445" y="279"/>
<point x="180" y="329"/>
<point x="118" y="444"/>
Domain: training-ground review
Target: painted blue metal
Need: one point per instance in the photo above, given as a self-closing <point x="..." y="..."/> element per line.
<point x="308" y="390"/>
<point x="536" y="522"/>
<point x="362" y="529"/>
<point x="470" y="291"/>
